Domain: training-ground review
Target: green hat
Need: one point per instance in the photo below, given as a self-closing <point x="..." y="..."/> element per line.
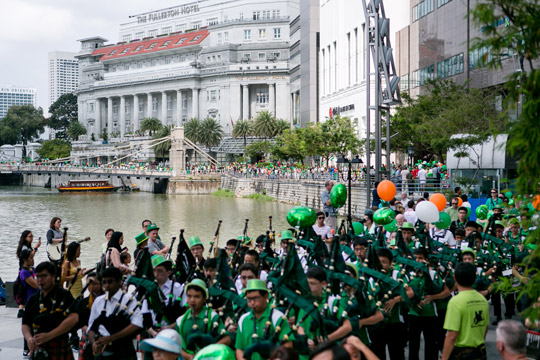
<point x="142" y="237"/>
<point x="160" y="260"/>
<point x="151" y="227"/>
<point x="287" y="235"/>
<point x="513" y="221"/>
<point x="499" y="223"/>
<point x="255" y="284"/>
<point x="215" y="351"/>
<point x="499" y="206"/>
<point x="198" y="283"/>
<point x="407" y="225"/>
<point x="468" y="250"/>
<point x="193" y="241"/>
<point x="246" y="240"/>
<point x="353" y="268"/>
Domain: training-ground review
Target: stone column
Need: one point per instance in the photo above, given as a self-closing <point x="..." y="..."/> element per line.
<point x="149" y="106"/>
<point x="195" y="103"/>
<point x="271" y="99"/>
<point x="135" y="115"/>
<point x="122" y="116"/>
<point x="179" y="113"/>
<point x="109" y="116"/>
<point x="177" y="152"/>
<point x="97" y="123"/>
<point x="245" y="102"/>
<point x="164" y="108"/>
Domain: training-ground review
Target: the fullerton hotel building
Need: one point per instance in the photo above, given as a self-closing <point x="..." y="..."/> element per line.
<point x="223" y="59"/>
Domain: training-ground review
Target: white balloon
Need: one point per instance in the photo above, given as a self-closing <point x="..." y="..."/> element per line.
<point x="427" y="212"/>
<point x="467" y="205"/>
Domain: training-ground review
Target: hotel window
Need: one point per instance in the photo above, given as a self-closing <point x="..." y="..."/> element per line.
<point x="196" y="38"/>
<point x="127" y="107"/>
<point x="275" y="14"/>
<point x="165" y="44"/>
<point x="277" y="33"/>
<point x="141" y="106"/>
<point x="422" y="9"/>
<point x="442" y="2"/>
<point x="115" y="108"/>
<point x="91" y="107"/>
<point x="181" y="27"/>
<point x="277" y="55"/>
<point x="219" y="38"/>
<point x="266" y="14"/>
<point x="256" y="15"/>
<point x="247" y="35"/>
<point x="213" y="95"/>
<point x="181" y="41"/>
<point x="169" y="103"/>
<point x="196" y="25"/>
<point x="113" y="52"/>
<point x="226" y="36"/>
<point x="152" y="32"/>
<point x="262" y="34"/>
<point x="126" y="38"/>
<point x="154" y="104"/>
<point x="125" y="51"/>
<point x="139" y="65"/>
<point x="184" y="102"/>
<point x="166" y="30"/>
<point x="450" y="67"/>
<point x="262" y="96"/>
<point x="212" y="21"/>
<point x="241" y="16"/>
<point x="262" y="56"/>
<point x="138" y="48"/>
<point x="139" y="35"/>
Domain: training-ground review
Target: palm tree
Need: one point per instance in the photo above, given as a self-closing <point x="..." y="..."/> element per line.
<point x="151" y="124"/>
<point x="192" y="130"/>
<point x="280" y="126"/>
<point x="243" y="128"/>
<point x="265" y="124"/>
<point x="164" y="147"/>
<point x="211" y="133"/>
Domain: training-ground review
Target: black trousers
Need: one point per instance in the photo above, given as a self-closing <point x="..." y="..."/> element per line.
<point x="428" y="326"/>
<point x="441" y="332"/>
<point x="392" y="335"/>
<point x="509" y="304"/>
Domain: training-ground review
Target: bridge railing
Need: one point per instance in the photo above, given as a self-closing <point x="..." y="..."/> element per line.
<point x="86" y="170"/>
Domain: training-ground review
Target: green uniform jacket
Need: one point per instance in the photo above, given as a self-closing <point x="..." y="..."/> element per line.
<point x="206" y="322"/>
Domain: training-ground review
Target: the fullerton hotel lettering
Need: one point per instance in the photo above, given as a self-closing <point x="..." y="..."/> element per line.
<point x="160" y="15"/>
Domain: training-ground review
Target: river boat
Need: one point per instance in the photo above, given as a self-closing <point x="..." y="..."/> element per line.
<point x="77" y="186"/>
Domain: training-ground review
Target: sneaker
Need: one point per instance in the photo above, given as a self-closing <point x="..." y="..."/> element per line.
<point x="20" y="313"/>
<point x="26" y="354"/>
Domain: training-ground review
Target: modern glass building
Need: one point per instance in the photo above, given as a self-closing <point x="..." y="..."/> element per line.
<point x="12" y="95"/>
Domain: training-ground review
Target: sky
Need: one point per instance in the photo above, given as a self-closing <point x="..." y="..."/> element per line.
<point x="30" y="29"/>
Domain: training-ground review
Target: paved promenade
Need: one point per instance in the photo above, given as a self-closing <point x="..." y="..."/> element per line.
<point x="11" y="340"/>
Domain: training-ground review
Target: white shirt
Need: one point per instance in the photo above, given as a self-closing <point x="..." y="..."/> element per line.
<point x="444" y="236"/>
<point x="166" y="290"/>
<point x="263" y="275"/>
<point x="97" y="307"/>
<point x="325" y="232"/>
<point x="422" y="175"/>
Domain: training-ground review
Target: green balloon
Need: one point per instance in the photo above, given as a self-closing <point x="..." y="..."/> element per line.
<point x="508" y="194"/>
<point x="384" y="216"/>
<point x="482" y="212"/>
<point x="511" y="202"/>
<point x="444" y="220"/>
<point x="391" y="227"/>
<point x="338" y="195"/>
<point x="215" y="351"/>
<point x="531" y="208"/>
<point x="358" y="228"/>
<point x="489" y="214"/>
<point x="302" y="216"/>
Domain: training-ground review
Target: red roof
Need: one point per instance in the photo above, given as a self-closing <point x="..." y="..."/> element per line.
<point x="151" y="45"/>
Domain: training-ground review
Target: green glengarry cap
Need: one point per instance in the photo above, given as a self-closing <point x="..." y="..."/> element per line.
<point x="215" y="351"/>
<point x="287" y="235"/>
<point x="194" y="240"/>
<point x="468" y="250"/>
<point x="160" y="260"/>
<point x="255" y="284"/>
<point x="245" y="240"/>
<point x="139" y="239"/>
<point x="198" y="283"/>
<point x="151" y="227"/>
<point x="407" y="225"/>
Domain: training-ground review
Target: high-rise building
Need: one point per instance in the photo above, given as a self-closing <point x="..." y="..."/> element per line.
<point x="12" y="95"/>
<point x="63" y="71"/>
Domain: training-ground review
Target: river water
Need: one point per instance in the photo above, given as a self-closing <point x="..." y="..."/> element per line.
<point x="32" y="208"/>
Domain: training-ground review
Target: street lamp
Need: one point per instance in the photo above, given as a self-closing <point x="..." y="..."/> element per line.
<point x="410" y="152"/>
<point x="342" y="161"/>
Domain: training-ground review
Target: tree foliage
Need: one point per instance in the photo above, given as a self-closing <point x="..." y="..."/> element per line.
<point x="430" y="120"/>
<point x="55" y="149"/>
<point x="163" y="148"/>
<point x="192" y="129"/>
<point x="243" y="129"/>
<point x="210" y="133"/>
<point x="64" y="111"/>
<point x="521" y="36"/>
<point x="265" y="124"/>
<point x="75" y="130"/>
<point x="21" y="123"/>
<point x="151" y="124"/>
<point x="259" y="149"/>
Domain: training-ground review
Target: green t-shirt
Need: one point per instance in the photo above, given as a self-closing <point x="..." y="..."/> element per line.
<point x="244" y="335"/>
<point x="206" y="322"/>
<point x="453" y="213"/>
<point x="468" y="314"/>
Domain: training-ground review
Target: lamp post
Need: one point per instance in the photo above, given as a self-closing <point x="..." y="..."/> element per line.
<point x="410" y="152"/>
<point x="342" y="162"/>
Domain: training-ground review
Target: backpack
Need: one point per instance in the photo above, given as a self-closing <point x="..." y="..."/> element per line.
<point x="19" y="291"/>
<point x="103" y="262"/>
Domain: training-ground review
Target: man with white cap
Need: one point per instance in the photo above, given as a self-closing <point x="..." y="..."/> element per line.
<point x="165" y="346"/>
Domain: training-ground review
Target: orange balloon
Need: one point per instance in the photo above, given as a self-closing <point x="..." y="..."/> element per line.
<point x="536" y="202"/>
<point x="459" y="202"/>
<point x="439" y="200"/>
<point x="386" y="190"/>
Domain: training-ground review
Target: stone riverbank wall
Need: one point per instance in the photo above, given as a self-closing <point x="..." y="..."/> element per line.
<point x="307" y="193"/>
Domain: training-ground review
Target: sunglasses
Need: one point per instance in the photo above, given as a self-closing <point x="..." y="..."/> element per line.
<point x="321" y="217"/>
